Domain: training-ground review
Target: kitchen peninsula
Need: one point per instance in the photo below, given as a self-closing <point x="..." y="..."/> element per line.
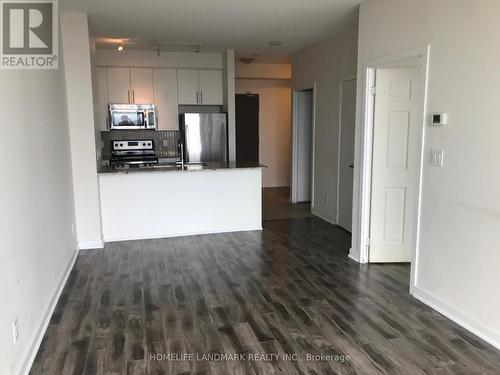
<point x="167" y="201"/>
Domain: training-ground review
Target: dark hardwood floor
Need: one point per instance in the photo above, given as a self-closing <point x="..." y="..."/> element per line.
<point x="288" y="290"/>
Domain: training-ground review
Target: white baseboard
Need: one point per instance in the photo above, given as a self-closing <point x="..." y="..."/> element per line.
<point x="276" y="184"/>
<point x="183" y="234"/>
<point x="353" y="257"/>
<point x="90" y="244"/>
<point x="469" y="324"/>
<point x="324" y="215"/>
<point x="30" y="358"/>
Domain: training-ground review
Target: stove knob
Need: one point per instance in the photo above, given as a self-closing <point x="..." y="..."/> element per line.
<point x="121" y="144"/>
<point x="149" y="144"/>
<point x="144" y="144"/>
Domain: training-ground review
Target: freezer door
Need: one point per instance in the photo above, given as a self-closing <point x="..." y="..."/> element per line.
<point x="205" y="137"/>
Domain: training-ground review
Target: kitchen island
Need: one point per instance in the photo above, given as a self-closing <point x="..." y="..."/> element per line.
<point x="167" y="201"/>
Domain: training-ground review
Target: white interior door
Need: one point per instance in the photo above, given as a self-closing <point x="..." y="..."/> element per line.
<point x="141" y="82"/>
<point x="210" y="87"/>
<point x="346" y="153"/>
<point x="119" y="85"/>
<point x="397" y="117"/>
<point x="304" y="145"/>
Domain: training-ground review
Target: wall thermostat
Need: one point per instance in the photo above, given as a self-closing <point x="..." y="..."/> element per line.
<point x="438" y="119"/>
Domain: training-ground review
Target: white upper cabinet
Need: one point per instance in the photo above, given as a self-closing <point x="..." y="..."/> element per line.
<point x="165" y="98"/>
<point x="200" y="87"/>
<point x="164" y="87"/>
<point x="141" y="84"/>
<point x="188" y="86"/>
<point x="102" y="98"/>
<point x="130" y="85"/>
<point x="210" y="87"/>
<point x="119" y="85"/>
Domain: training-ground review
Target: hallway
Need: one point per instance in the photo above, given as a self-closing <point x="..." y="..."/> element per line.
<point x="276" y="205"/>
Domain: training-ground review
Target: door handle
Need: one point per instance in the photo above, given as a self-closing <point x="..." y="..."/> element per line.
<point x="351" y="166"/>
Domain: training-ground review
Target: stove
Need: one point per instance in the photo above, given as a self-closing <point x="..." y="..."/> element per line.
<point x="128" y="153"/>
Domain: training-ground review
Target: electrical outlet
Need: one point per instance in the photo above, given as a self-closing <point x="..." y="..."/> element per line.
<point x="15" y="330"/>
<point x="437" y="158"/>
<point x="165" y="143"/>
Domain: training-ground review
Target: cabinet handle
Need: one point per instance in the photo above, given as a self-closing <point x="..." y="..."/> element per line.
<point x="133" y="96"/>
<point x="201" y="97"/>
<point x="197" y="97"/>
<point x="128" y="93"/>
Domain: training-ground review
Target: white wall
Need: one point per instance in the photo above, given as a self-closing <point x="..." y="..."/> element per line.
<point x="229" y="103"/>
<point x="112" y="57"/>
<point x="325" y="64"/>
<point x="36" y="205"/>
<point x="262" y="70"/>
<point x="274" y="127"/>
<point x="76" y="46"/>
<point x="459" y="253"/>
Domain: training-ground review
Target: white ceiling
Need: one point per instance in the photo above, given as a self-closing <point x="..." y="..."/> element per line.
<point x="247" y="26"/>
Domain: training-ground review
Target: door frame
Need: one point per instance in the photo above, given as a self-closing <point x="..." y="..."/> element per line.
<point x="341" y="82"/>
<point x="295" y="110"/>
<point x="364" y="160"/>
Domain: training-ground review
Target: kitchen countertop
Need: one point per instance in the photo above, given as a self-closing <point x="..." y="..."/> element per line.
<point x="170" y="167"/>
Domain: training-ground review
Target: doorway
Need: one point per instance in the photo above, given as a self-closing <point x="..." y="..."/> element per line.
<point x="247" y="128"/>
<point x="390" y="159"/>
<point x="303" y="146"/>
<point x="347" y="122"/>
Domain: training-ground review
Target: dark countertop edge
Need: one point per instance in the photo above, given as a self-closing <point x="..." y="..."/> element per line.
<point x="106" y="169"/>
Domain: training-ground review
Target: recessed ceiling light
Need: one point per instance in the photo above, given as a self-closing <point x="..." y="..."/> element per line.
<point x="120" y="48"/>
<point x="275" y="42"/>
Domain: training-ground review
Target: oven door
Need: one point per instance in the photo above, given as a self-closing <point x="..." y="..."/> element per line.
<point x="127" y="119"/>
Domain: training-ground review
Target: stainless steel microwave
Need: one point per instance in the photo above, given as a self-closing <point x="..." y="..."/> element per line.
<point x="132" y="116"/>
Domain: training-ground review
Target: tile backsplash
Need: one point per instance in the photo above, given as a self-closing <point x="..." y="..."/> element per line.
<point x="165" y="141"/>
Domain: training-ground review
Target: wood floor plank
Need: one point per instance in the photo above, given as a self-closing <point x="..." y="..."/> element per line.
<point x="284" y="294"/>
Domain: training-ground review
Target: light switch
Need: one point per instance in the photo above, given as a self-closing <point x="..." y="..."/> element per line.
<point x="437" y="158"/>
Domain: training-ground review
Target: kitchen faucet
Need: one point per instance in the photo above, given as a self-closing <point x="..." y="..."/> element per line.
<point x="180" y="149"/>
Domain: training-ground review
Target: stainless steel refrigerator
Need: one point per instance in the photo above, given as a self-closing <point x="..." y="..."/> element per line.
<point x="204" y="136"/>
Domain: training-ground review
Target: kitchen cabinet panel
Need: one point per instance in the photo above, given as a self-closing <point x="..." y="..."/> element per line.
<point x="210" y="87"/>
<point x="187" y="81"/>
<point x="118" y="85"/>
<point x="141" y="84"/>
<point x="165" y="98"/>
<point x="102" y="97"/>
